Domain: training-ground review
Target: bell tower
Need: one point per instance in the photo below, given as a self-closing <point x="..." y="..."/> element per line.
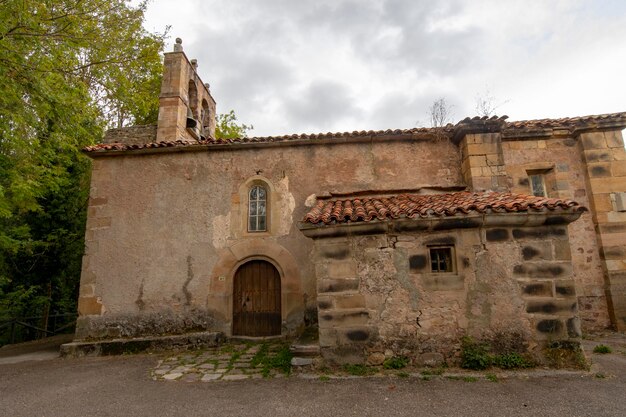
<point x="186" y="107"/>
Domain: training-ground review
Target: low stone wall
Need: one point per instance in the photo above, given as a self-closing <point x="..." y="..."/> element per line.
<point x="511" y="287"/>
<point x="198" y="340"/>
<point x="131" y="135"/>
<point x="133" y="325"/>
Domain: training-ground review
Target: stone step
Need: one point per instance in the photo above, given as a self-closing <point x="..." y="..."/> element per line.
<point x="307" y="351"/>
<point x="300" y="361"/>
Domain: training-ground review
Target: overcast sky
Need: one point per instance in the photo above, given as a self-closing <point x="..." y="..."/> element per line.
<point x="289" y="66"/>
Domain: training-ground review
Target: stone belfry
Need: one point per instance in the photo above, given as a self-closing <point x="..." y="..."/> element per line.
<point x="186" y="107"/>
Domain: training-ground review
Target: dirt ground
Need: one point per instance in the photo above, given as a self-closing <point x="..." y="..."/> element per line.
<point x="124" y="385"/>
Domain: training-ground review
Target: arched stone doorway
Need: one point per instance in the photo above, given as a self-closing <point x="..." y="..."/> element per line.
<point x="256" y="300"/>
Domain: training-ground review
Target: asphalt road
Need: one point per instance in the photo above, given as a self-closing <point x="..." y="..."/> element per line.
<point x="121" y="386"/>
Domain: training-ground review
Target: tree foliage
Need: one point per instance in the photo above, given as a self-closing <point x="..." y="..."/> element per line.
<point x="68" y="69"/>
<point x="227" y="127"/>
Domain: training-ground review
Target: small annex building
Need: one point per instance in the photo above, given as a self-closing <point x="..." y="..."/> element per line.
<point x="397" y="241"/>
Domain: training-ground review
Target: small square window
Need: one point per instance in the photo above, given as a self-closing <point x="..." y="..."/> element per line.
<point x="537" y="185"/>
<point x="441" y="259"/>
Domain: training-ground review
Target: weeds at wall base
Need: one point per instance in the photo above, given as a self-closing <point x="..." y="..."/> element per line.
<point x="565" y="354"/>
<point x="477" y="356"/>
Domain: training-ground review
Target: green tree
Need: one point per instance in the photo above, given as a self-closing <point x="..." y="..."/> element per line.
<point x="68" y="70"/>
<point x="226" y="126"/>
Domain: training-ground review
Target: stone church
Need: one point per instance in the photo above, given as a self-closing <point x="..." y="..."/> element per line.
<point x="398" y="241"/>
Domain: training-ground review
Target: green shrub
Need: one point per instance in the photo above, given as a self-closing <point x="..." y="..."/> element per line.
<point x="511" y="361"/>
<point x="602" y="349"/>
<point x="474" y="355"/>
<point x="358" y="370"/>
<point x="397" y="362"/>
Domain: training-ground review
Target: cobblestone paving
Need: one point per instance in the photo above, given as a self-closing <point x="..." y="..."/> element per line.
<point x="230" y="362"/>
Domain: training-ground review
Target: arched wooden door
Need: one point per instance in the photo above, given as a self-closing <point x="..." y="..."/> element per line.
<point x="256" y="300"/>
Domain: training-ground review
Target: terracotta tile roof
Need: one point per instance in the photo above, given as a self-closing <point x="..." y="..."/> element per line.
<point x="569" y="122"/>
<point x="477" y="124"/>
<point x="418" y="131"/>
<point x="365" y="209"/>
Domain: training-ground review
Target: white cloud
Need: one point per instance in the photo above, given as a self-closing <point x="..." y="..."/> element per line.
<point x="291" y="66"/>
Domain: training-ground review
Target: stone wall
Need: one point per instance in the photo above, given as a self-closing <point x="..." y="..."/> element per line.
<point x="559" y="158"/>
<point x="604" y="157"/>
<point x="131" y="135"/>
<point x="377" y="295"/>
<point x="166" y="232"/>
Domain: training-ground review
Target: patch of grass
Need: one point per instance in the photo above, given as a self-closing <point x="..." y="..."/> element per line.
<point x="512" y="361"/>
<point x="279" y="358"/>
<point x="233" y="357"/>
<point x="397" y="362"/>
<point x="227" y="349"/>
<point x="491" y="377"/>
<point x="213" y="362"/>
<point x="600" y="375"/>
<point x="427" y="377"/>
<point x="474" y="355"/>
<point x="324" y="378"/>
<point x="358" y="370"/>
<point x="470" y="379"/>
<point x="432" y="372"/>
<point x="602" y="349"/>
<point x="453" y="377"/>
<point x="403" y="374"/>
<point x="282" y="360"/>
<point x="260" y="356"/>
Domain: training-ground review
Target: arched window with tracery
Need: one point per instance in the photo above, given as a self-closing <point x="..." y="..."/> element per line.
<point x="257" y="209"/>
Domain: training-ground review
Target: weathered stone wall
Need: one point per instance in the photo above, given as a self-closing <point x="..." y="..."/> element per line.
<point x="604" y="158"/>
<point x="166" y="232"/>
<point x="559" y="157"/>
<point x="377" y="296"/>
<point x="132" y="135"/>
<point x="483" y="163"/>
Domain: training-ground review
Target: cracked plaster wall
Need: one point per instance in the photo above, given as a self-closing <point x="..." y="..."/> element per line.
<point x="159" y="224"/>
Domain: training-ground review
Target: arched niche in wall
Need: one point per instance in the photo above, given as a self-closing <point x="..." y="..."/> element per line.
<point x="192" y="95"/>
<point x="205" y="118"/>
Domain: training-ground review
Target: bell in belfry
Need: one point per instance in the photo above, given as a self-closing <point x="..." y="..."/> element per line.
<point x="191" y="122"/>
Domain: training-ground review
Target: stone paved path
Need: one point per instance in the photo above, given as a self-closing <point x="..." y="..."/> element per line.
<point x="230" y="362"/>
<point x="243" y="361"/>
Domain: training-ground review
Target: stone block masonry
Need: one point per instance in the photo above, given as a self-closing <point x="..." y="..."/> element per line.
<point x="605" y="162"/>
<point x="506" y="282"/>
<point x="167" y="231"/>
<point x="483" y="163"/>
